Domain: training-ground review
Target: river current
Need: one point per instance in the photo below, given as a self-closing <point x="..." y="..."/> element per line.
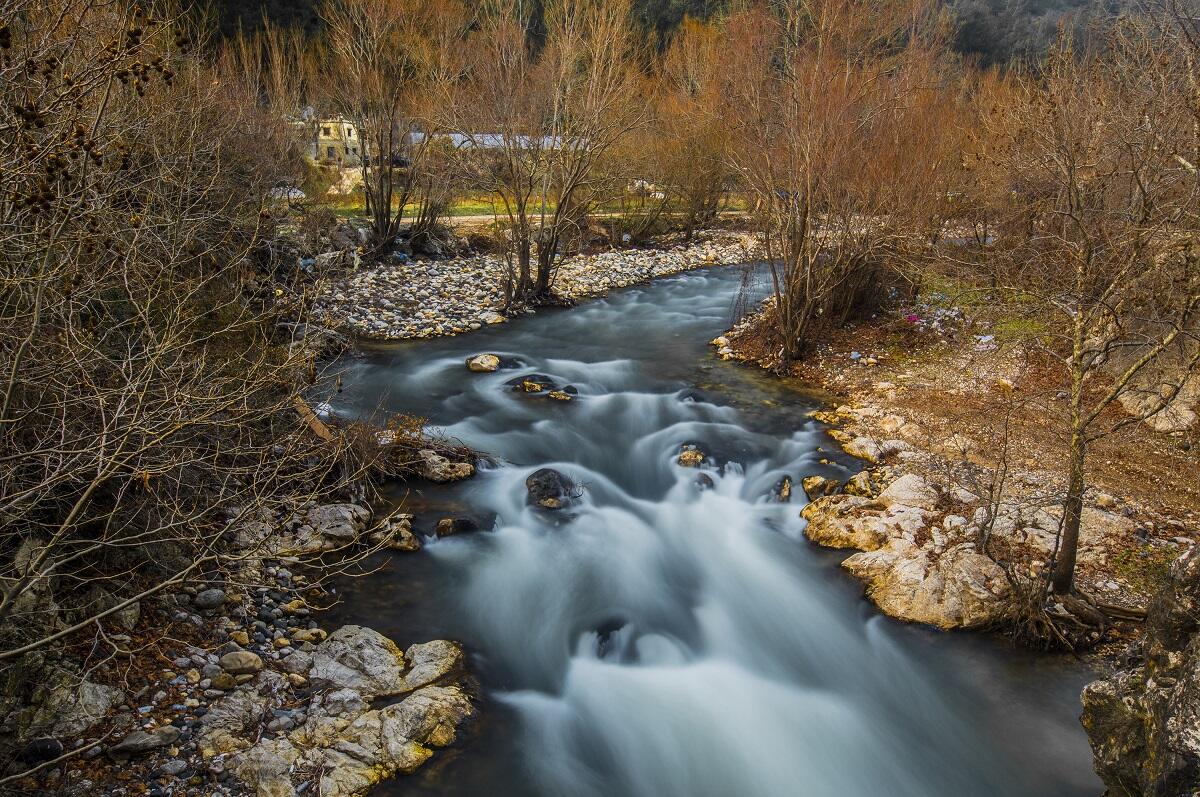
<point x="659" y="640"/>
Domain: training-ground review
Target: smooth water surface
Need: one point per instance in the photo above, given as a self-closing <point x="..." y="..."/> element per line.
<point x="659" y="640"/>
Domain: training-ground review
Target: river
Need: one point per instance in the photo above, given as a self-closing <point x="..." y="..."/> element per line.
<point x="659" y="640"/>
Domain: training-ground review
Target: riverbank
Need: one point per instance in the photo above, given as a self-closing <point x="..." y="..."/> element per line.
<point x="231" y="686"/>
<point x="959" y="502"/>
<point x="425" y="298"/>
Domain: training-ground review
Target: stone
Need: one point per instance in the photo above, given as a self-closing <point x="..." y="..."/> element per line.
<point x="239" y="637"/>
<point x="241" y="662"/>
<point x="782" y="491"/>
<point x="863" y="448"/>
<point x="550" y="489"/>
<point x="140" y="742"/>
<point x="690" y="456"/>
<point x="359" y="658"/>
<point x="267" y="767"/>
<point x="335" y="525"/>
<point x="233" y="721"/>
<point x="834" y="522"/>
<point x="430" y="662"/>
<point x="910" y="490"/>
<point x="817" y="486"/>
<point x="483" y="363"/>
<point x="395" y="739"/>
<point x="438" y="468"/>
<point x="860" y="484"/>
<point x="959" y="589"/>
<point x="67" y="709"/>
<point x="209" y="599"/>
<point x="450" y="526"/>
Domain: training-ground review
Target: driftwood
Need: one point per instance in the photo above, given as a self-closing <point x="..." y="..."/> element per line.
<point x="319" y="428"/>
<point x="1134" y="613"/>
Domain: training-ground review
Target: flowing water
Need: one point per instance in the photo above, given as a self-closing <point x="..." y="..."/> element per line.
<point x="658" y="640"/>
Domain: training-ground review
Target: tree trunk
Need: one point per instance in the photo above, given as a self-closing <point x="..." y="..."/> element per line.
<point x="1068" y="548"/>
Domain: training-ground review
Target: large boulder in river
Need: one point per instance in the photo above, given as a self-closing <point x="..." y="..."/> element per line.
<point x="1142" y="721"/>
<point x="690" y="456"/>
<point x="550" y="489"/>
<point x="483" y="363"/>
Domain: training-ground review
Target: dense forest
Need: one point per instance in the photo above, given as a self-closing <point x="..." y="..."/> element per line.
<point x="995" y="31"/>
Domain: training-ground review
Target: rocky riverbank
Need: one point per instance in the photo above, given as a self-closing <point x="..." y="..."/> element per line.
<point x="422" y="298"/>
<point x="959" y="503"/>
<point x="231" y="686"/>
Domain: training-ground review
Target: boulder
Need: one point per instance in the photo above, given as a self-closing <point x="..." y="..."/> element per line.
<point x="863" y="448"/>
<point x="397" y="534"/>
<point x="450" y="526"/>
<point x="398" y="738"/>
<point x="483" y="363"/>
<point x="335" y="525"/>
<point x="267" y="767"/>
<point x="241" y="662"/>
<point x="817" y="486"/>
<point x="910" y="490"/>
<point x="860" y="484"/>
<point x="959" y="589"/>
<point x="209" y="599"/>
<point x="782" y="491"/>
<point x="1142" y="720"/>
<point x="550" y="489"/>
<point x="690" y="456"/>
<point x="438" y="468"/>
<point x="835" y="521"/>
<point x="359" y="658"/>
<point x="430" y="662"/>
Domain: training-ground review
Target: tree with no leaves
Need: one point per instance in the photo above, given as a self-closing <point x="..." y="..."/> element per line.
<point x="536" y="120"/>
<point x="1100" y="195"/>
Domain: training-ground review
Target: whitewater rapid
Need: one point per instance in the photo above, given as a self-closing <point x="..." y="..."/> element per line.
<point x="659" y="639"/>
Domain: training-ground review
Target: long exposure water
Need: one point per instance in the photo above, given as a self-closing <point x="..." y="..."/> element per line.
<point x="659" y="640"/>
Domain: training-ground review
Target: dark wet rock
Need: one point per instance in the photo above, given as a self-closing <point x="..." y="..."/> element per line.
<point x="462" y="524"/>
<point x="533" y="384"/>
<point x="704" y="481"/>
<point x="1142" y="720"/>
<point x="39" y="750"/>
<point x="550" y="489"/>
<point x="209" y="599"/>
<point x="782" y="491"/>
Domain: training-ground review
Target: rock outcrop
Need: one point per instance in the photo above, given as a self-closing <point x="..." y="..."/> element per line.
<point x="913" y="568"/>
<point x="550" y="489"/>
<point x="1144" y="721"/>
<point x="350" y="746"/>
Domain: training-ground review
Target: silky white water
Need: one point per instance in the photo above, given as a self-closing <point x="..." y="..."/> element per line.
<point x="658" y="639"/>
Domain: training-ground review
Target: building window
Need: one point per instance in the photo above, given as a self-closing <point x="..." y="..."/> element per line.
<point x="330" y="152"/>
<point x="325" y="131"/>
<point x="349" y="132"/>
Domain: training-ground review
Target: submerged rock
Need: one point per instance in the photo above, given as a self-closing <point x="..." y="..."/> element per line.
<point x="550" y="489"/>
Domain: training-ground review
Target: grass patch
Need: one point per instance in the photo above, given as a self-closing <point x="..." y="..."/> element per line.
<point x="1145" y="568"/>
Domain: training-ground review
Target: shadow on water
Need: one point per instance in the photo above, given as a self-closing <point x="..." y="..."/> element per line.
<point x="659" y="639"/>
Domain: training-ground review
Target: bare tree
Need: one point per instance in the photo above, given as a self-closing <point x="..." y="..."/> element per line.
<point x="815" y="89"/>
<point x="386" y="59"/>
<point x="536" y="121"/>
<point x="1100" y="193"/>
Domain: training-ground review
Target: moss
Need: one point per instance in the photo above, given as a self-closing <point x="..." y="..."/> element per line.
<point x="1145" y="567"/>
